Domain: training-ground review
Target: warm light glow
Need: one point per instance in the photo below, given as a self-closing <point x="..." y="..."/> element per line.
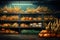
<point x="22" y="4"/>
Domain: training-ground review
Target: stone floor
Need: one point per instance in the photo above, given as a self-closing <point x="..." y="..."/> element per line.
<point x="24" y="37"/>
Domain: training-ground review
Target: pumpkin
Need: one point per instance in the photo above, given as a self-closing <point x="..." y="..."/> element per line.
<point x="3" y="17"/>
<point x="22" y="25"/>
<point x="39" y="18"/>
<point x="22" y="19"/>
<point x="7" y="31"/>
<point x="11" y="18"/>
<point x="9" y="24"/>
<point x="45" y="18"/>
<point x="15" y="17"/>
<point x="26" y="18"/>
<point x="45" y="31"/>
<point x="40" y="35"/>
<point x="5" y="25"/>
<point x="30" y="18"/>
<point x="34" y="18"/>
<point x="46" y="35"/>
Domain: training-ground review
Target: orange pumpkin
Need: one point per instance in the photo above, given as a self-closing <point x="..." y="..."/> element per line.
<point x="22" y="25"/>
<point x="46" y="35"/>
<point x="5" y="25"/>
<point x="44" y="31"/>
<point x="26" y="18"/>
<point x="7" y="31"/>
<point x="3" y="17"/>
<point x="40" y="35"/>
<point x="30" y="18"/>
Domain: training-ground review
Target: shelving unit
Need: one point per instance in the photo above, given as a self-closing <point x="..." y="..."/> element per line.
<point x="32" y="32"/>
<point x="19" y="21"/>
<point x="27" y="21"/>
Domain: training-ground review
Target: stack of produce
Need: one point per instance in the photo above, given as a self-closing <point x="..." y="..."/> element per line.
<point x="4" y="17"/>
<point x="28" y="10"/>
<point x="29" y="32"/>
<point x="48" y="17"/>
<point x="8" y="31"/>
<point x="9" y="25"/>
<point x="23" y="25"/>
<point x="31" y="18"/>
<point x="46" y="33"/>
<point x="53" y="26"/>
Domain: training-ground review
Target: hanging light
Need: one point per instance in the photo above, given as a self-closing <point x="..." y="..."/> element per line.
<point x="22" y="4"/>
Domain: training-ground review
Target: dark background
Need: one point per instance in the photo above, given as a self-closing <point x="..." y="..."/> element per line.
<point x="53" y="4"/>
